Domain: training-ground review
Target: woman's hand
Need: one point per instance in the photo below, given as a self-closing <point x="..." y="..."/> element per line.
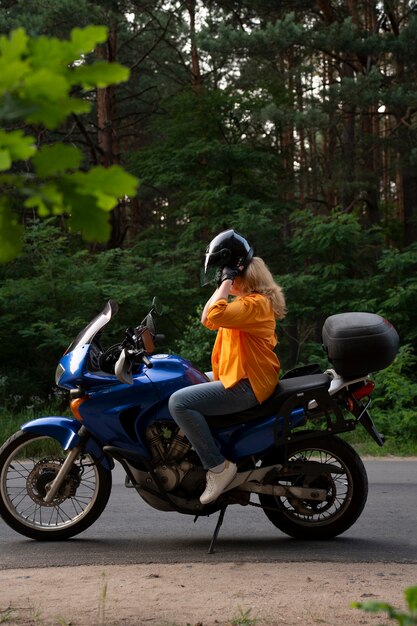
<point x="227" y="273"/>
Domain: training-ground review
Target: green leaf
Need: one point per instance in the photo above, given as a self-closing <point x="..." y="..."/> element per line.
<point x="11" y="72"/>
<point x="100" y="74"/>
<point x="45" y="84"/>
<point x="12" y="66"/>
<point x="106" y="185"/>
<point x="113" y="181"/>
<point x="14" y="46"/>
<point x="104" y="201"/>
<point x="411" y="598"/>
<point x="38" y="203"/>
<point x="5" y="160"/>
<point x="51" y="114"/>
<point x="56" y="159"/>
<point x="50" y="52"/>
<point x="11" y="234"/>
<point x="84" y="40"/>
<point x="373" y="606"/>
<point x="19" y="145"/>
<point x="48" y="199"/>
<point x="88" y="219"/>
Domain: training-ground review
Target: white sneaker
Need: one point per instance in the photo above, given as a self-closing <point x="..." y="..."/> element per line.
<point x="216" y="482"/>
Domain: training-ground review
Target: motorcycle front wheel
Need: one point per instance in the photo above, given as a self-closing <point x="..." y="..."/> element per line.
<point x="343" y="477"/>
<point x="28" y="464"/>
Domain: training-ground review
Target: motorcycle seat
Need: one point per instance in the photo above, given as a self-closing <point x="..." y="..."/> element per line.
<point x="271" y="406"/>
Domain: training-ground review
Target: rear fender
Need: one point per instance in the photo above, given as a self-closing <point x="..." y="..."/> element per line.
<point x="65" y="431"/>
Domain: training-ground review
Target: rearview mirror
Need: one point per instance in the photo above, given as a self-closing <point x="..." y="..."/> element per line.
<point x="147" y="338"/>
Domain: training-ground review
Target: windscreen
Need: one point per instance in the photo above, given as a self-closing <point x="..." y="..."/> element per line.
<point x="90" y="331"/>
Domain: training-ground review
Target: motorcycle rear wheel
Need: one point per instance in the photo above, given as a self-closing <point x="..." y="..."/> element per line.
<point x="346" y="491"/>
<point x="28" y="463"/>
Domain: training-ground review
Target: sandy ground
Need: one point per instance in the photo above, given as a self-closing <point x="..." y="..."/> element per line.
<point x="235" y="594"/>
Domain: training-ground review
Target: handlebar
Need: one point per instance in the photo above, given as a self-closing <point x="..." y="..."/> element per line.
<point x="146" y="361"/>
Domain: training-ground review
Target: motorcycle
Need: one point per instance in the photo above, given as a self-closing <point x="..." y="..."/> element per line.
<point x="56" y="471"/>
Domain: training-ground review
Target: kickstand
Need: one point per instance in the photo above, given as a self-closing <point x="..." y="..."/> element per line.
<point x="216" y="530"/>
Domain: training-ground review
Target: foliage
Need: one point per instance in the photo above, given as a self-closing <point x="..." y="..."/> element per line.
<point x="395" y="287"/>
<point x="208" y="176"/>
<point x="395" y="397"/>
<point x="38" y="78"/>
<point x="50" y="292"/>
<point x="402" y="618"/>
<point x="295" y="125"/>
<point x="196" y="342"/>
<point x="330" y="258"/>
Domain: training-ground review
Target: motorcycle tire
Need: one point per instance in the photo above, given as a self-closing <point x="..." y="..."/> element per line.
<point x="346" y="491"/>
<point x="28" y="463"/>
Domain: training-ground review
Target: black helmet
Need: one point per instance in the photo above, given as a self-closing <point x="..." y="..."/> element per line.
<point x="228" y="248"/>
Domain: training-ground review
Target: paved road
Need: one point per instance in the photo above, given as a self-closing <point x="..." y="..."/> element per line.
<point x="129" y="531"/>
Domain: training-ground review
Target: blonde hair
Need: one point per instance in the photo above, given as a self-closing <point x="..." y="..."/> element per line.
<point x="258" y="278"/>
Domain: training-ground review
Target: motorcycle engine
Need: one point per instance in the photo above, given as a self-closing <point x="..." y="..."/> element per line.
<point x="175" y="463"/>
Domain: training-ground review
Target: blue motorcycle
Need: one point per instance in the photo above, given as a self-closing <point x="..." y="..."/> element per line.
<point x="56" y="472"/>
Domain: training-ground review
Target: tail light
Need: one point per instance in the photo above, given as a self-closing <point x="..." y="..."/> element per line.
<point x="364" y="390"/>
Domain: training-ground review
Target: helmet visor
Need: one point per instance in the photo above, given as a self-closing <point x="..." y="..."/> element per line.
<point x="208" y="276"/>
<point x="213" y="261"/>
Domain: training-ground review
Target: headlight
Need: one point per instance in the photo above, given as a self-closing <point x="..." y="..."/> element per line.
<point x="58" y="373"/>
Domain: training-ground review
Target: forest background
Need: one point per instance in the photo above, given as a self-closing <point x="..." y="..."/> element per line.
<point x="294" y="122"/>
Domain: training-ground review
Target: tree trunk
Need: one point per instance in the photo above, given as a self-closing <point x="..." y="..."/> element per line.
<point x="196" y="77"/>
<point x="409" y="190"/>
<point x="348" y="146"/>
<point x="407" y="179"/>
<point x="106" y="133"/>
<point x="107" y="138"/>
<point x="406" y="138"/>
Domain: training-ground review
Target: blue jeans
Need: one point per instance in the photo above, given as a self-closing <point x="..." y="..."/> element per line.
<point x="189" y="405"/>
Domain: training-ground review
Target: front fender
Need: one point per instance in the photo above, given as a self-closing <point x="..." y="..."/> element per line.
<point x="65" y="431"/>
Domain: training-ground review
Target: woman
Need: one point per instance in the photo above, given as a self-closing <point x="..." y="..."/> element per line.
<point x="245" y="366"/>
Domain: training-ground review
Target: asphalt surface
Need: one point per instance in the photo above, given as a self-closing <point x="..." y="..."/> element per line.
<point x="129" y="531"/>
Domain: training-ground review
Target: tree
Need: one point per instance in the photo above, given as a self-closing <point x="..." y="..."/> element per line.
<point x="38" y="77"/>
<point x="293" y="122"/>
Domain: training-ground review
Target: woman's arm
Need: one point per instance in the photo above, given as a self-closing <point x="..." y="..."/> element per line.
<point x="221" y="293"/>
<point x="248" y="313"/>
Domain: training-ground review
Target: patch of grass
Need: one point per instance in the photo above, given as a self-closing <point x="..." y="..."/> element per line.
<point x="11" y="420"/>
<point x="366" y="446"/>
<point x="101" y="616"/>
<point x="244" y="618"/>
<point x="37" y="617"/>
<point x="7" y="615"/>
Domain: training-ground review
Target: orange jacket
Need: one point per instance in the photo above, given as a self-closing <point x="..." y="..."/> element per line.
<point x="245" y="342"/>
